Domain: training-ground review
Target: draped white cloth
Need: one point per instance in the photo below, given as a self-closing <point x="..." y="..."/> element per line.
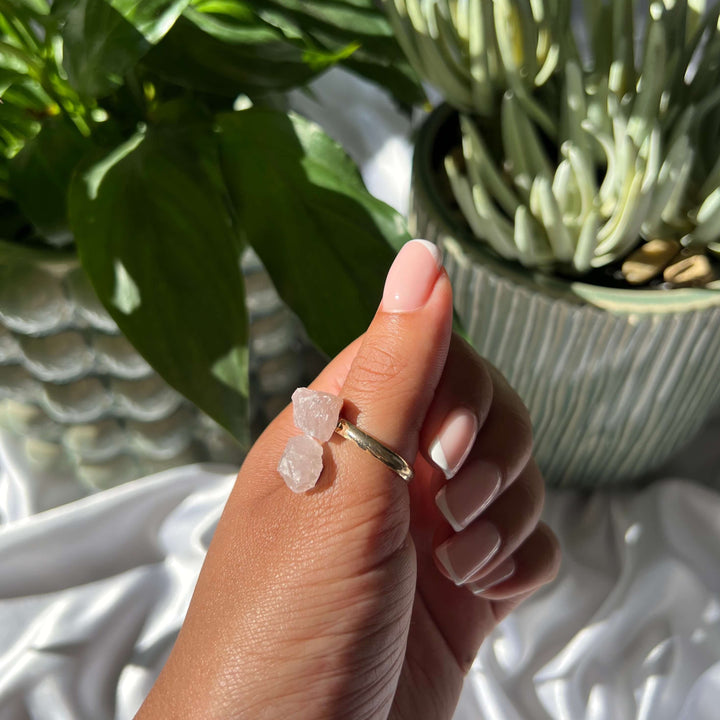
<point x="93" y="591"/>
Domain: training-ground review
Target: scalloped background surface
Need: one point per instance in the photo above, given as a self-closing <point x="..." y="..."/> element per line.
<point x="80" y="399"/>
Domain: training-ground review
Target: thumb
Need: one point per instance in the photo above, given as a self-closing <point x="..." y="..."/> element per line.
<point x="304" y="602"/>
<point x="393" y="376"/>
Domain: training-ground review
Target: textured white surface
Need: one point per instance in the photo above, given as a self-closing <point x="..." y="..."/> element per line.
<point x="82" y="400"/>
<point x="92" y="593"/>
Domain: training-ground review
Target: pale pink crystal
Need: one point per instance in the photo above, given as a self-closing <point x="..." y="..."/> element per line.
<point x="301" y="463"/>
<point x="316" y="413"/>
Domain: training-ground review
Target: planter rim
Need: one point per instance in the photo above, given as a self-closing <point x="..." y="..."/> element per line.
<point x="617" y="300"/>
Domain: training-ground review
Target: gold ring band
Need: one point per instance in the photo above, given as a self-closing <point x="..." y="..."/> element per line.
<point x="370" y="444"/>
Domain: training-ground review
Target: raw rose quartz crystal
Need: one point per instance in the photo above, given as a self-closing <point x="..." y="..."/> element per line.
<point x="316" y="413"/>
<point x="301" y="463"/>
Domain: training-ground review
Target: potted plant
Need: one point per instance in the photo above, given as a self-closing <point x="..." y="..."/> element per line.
<point x="573" y="183"/>
<point x="145" y="147"/>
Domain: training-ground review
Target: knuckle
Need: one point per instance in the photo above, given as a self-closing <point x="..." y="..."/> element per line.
<point x="382" y="372"/>
<point x="532" y="490"/>
<point x="517" y="412"/>
<point x="537" y="487"/>
<point x="517" y="511"/>
<point x="471" y="372"/>
<point x="551" y="553"/>
<point x="514" y="445"/>
<point x="521" y="429"/>
<point x="483" y="387"/>
<point x="377" y="365"/>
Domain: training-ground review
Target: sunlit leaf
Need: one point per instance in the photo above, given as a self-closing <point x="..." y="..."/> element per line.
<point x="103" y="39"/>
<point x="229" y="55"/>
<point x="158" y="242"/>
<point x="326" y="242"/>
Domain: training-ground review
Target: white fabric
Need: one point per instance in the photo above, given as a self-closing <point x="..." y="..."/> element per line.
<point x="631" y="629"/>
<point x="93" y="592"/>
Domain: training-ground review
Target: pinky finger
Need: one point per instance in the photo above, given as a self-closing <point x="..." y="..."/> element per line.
<point x="534" y="564"/>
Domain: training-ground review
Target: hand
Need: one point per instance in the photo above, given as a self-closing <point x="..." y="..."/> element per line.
<point x="359" y="599"/>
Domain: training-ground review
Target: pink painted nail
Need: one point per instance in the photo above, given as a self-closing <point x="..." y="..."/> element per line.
<point x="454" y="441"/>
<point x="464" y="499"/>
<point x="411" y="277"/>
<point x="501" y="573"/>
<point x="466" y="555"/>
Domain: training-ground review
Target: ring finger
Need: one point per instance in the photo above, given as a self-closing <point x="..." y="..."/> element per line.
<point x="490" y="540"/>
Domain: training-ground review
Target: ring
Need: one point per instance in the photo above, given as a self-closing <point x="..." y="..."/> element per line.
<point x="369" y="444"/>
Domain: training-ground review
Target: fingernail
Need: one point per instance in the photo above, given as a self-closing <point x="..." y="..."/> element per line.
<point x="411" y="277"/>
<point x="501" y="573"/>
<point x="465" y="498"/>
<point x="466" y="555"/>
<point x="454" y="441"/>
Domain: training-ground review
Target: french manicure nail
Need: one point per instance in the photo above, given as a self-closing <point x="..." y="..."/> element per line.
<point x="501" y="573"/>
<point x="454" y="441"/>
<point x="466" y="555"/>
<point x="465" y="498"/>
<point x="411" y="277"/>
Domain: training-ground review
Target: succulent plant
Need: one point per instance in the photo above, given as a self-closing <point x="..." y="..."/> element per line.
<point x="474" y="50"/>
<point x="579" y="146"/>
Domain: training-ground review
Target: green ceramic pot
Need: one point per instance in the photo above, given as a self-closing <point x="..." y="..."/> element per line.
<point x="615" y="380"/>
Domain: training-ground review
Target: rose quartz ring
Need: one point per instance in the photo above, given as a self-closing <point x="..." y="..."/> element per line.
<point x="317" y="414"/>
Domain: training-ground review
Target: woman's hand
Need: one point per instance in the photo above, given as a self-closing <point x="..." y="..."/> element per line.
<point x="366" y="598"/>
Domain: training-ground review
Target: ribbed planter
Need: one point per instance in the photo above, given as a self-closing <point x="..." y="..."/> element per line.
<point x="615" y="380"/>
<point x="81" y="401"/>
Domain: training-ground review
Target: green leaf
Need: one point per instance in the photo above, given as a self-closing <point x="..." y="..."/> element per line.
<point x="228" y="55"/>
<point x="397" y="77"/>
<point x="322" y="59"/>
<point x="158" y="242"/>
<point x="24" y="105"/>
<point x="152" y="18"/>
<point x="326" y="242"/>
<point x="104" y="39"/>
<point x="17" y="124"/>
<point x="99" y="46"/>
<point x="334" y="24"/>
<point x="30" y="7"/>
<point x="15" y="58"/>
<point x="360" y="18"/>
<point x="20" y="23"/>
<point x="40" y="175"/>
<point x="22" y="92"/>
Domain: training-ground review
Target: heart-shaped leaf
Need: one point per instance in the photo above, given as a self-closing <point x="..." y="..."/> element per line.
<point x="157" y="240"/>
<point x="103" y="39"/>
<point x="326" y="242"/>
<point x="217" y="48"/>
<point x="334" y="24"/>
<point x="40" y="175"/>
